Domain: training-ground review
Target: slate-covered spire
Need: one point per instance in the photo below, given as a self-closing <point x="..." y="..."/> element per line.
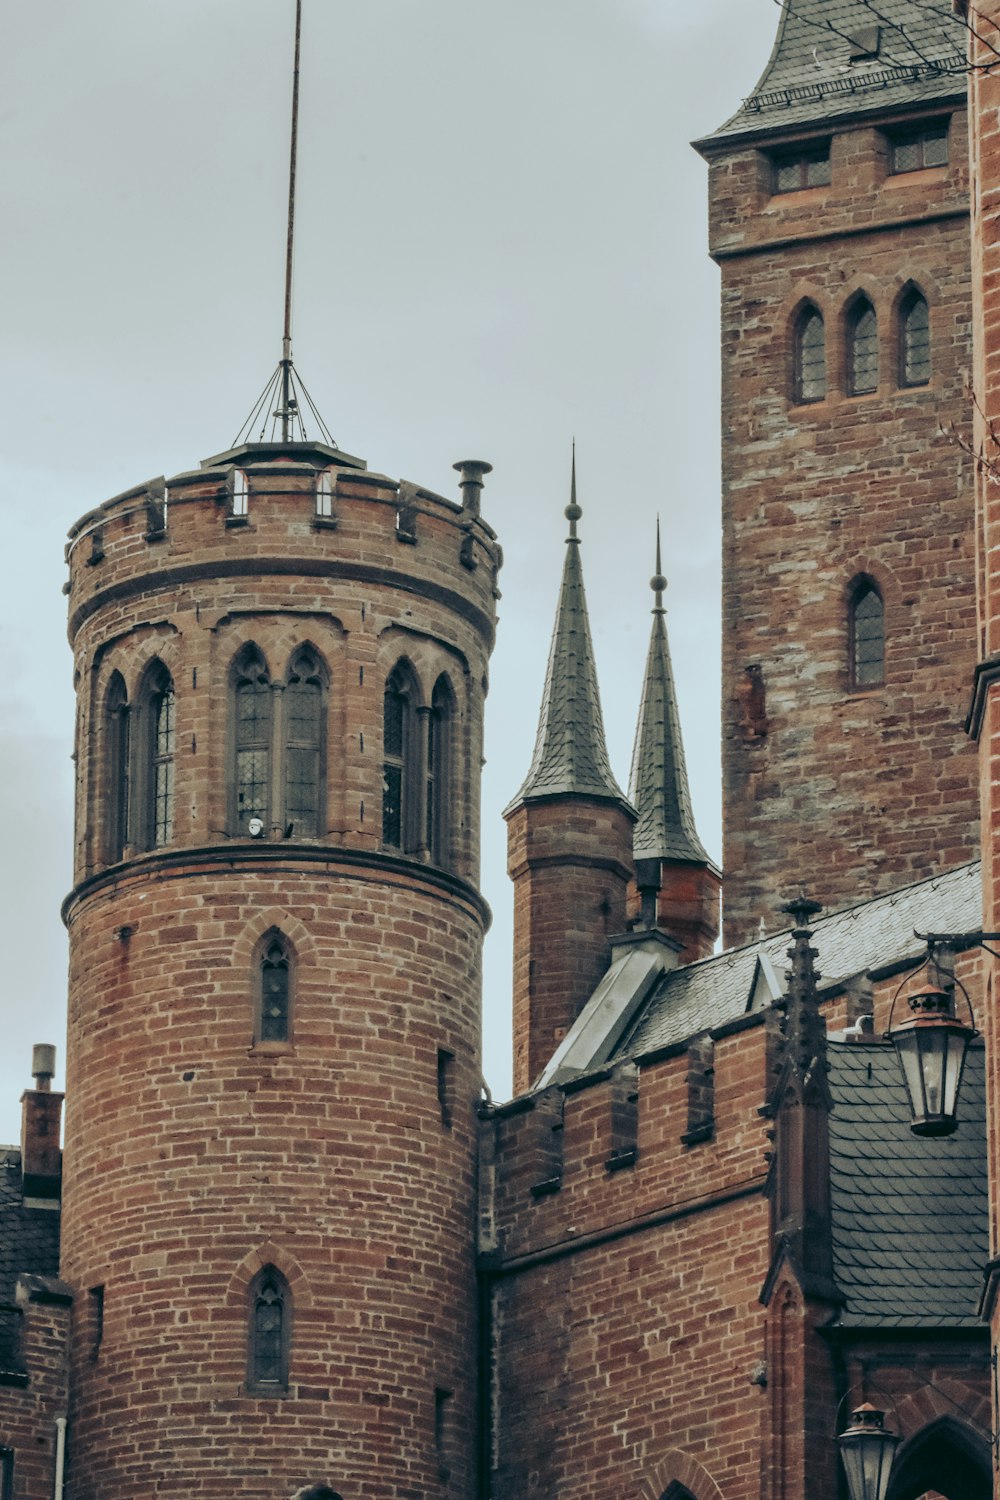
<point x="570" y="752"/>
<point x="658" y="785"/>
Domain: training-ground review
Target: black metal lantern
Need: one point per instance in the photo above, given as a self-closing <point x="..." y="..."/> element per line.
<point x="867" y="1451"/>
<point x="931" y="1045"/>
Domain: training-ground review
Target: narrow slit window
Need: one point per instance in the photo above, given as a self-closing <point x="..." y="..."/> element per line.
<point x="862" y="349"/>
<point x="324" y="496"/>
<point x="867" y="637"/>
<point x="810" y="357"/>
<point x="239" y="495"/>
<point x="163" y="766"/>
<point x="914" y="340"/>
<point x="270" y="1312"/>
<point x="445" y="1067"/>
<point x="154" y="759"/>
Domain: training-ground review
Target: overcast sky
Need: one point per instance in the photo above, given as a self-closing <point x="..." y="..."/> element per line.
<point x="501" y="245"/>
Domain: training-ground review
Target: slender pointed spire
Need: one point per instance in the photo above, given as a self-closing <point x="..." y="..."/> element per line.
<point x="570" y="752"/>
<point x="658" y="785"/>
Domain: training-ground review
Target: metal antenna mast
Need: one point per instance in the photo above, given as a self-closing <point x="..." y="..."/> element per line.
<point x="286" y="342"/>
<point x="281" y="401"/>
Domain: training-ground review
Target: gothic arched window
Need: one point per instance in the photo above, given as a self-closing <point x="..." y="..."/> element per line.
<point x="914" y="340"/>
<point x="400" y="826"/>
<point x="154" y="765"/>
<point x="866" y="629"/>
<point x="252" y="698"/>
<point x="273" y="1021"/>
<point x="303" y="746"/>
<point x="269" y="1333"/>
<point x="440" y="770"/>
<point x="116" y="742"/>
<point x="862" y="349"/>
<point x="810" y="356"/>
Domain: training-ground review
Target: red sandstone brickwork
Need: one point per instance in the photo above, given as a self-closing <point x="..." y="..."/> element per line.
<point x="195" y="1157"/>
<point x="817" y="777"/>
<point x="570" y="859"/>
<point x="625" y="1321"/>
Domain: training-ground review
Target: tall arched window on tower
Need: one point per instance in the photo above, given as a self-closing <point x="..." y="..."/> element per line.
<point x="269" y="1334"/>
<point x="440" y="772"/>
<point x="273" y="1020"/>
<point x="154" y="768"/>
<point x="866" y="632"/>
<point x="251" y="780"/>
<point x="303" y="745"/>
<point x="116" y="742"/>
<point x="810" y="355"/>
<point x="862" y="348"/>
<point x="914" y="339"/>
<point x="399" y="787"/>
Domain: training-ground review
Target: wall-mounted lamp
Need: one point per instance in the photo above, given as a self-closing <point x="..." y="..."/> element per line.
<point x="867" y="1449"/>
<point x="931" y="1045"/>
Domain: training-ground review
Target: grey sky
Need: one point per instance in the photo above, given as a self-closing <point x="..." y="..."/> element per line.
<point x="501" y="245"/>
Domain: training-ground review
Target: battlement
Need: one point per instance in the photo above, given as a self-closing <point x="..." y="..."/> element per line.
<point x="265" y="508"/>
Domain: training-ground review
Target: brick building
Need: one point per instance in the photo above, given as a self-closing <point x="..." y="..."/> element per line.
<point x="290" y="1247"/>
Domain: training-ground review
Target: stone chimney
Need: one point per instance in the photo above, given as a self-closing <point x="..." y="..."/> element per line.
<point x="41" y="1118"/>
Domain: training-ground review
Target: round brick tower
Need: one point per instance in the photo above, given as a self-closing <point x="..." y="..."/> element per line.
<point x="275" y="930"/>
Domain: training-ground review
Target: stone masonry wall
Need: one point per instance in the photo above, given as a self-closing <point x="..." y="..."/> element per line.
<point x="874" y="788"/>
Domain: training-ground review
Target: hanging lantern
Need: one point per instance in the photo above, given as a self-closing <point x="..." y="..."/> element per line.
<point x="931" y="1046"/>
<point x="867" y="1451"/>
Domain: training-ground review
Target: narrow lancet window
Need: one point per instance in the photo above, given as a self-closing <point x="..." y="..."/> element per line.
<point x="867" y="636"/>
<point x="862" y="349"/>
<point x="117" y="783"/>
<point x="274" y="998"/>
<point x="397" y="758"/>
<point x="154" y="759"/>
<point x="439" y="772"/>
<point x="914" y="340"/>
<point x="252" y="714"/>
<point x="303" y="706"/>
<point x="810" y="356"/>
<point x="270" y="1313"/>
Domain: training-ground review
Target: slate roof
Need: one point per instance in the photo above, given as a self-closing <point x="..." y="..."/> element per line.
<point x="658" y="786"/>
<point x="873" y="937"/>
<point x="909" y="1214"/>
<point x="811" y="77"/>
<point x="29" y="1237"/>
<point x="570" y="751"/>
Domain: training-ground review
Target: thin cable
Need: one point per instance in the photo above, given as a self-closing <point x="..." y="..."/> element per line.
<point x="886" y="21"/>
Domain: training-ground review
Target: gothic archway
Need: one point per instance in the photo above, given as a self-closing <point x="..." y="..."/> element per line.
<point x="946" y="1456"/>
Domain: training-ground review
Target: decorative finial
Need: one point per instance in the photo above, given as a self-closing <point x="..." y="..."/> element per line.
<point x="573" y="511"/>
<point x="658" y="583"/>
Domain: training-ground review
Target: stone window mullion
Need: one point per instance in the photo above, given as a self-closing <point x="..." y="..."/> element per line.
<point x="277" y="758"/>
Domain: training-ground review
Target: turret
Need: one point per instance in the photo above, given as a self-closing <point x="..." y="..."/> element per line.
<point x="569" y="832"/>
<point x="677" y="885"/>
<point x="274" y="1028"/>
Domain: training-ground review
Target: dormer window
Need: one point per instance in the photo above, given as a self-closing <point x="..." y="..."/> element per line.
<point x="923" y="146"/>
<point x="801" y="167"/>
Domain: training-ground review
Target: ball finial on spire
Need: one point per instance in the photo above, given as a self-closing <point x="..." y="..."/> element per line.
<point x="573" y="511"/>
<point x="658" y="583"/>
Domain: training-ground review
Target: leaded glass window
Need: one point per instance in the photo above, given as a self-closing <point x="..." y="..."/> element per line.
<point x="275" y="992"/>
<point x="163" y="765"/>
<point x="800" y="168"/>
<point x="913" y="150"/>
<point x="867" y="636"/>
<point x="914" y="340"/>
<point x="253" y="743"/>
<point x="303" y="706"/>
<point x="810" y="356"/>
<point x="862" y="349"/>
<point x="270" y="1308"/>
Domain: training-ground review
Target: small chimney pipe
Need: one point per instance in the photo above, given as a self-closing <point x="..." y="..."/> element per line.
<point x="472" y="471"/>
